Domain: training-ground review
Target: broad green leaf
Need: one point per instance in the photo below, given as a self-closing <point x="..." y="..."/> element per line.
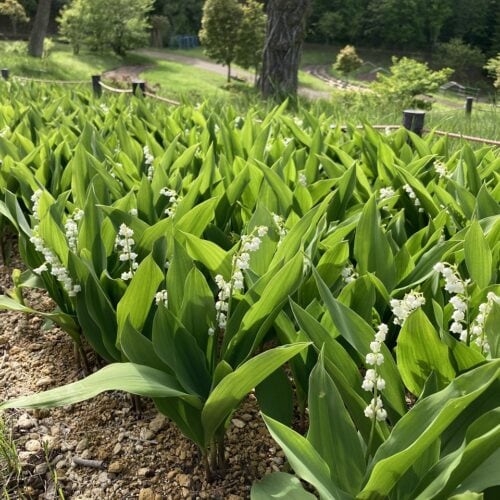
<point x="129" y="377"/>
<point x="478" y="255"/>
<point x="305" y="460"/>
<point x="422" y="425"/>
<point x="332" y="432"/>
<point x="420" y="351"/>
<point x="359" y="334"/>
<point x="234" y="387"/>
<point x="371" y="248"/>
<point x="279" y="485"/>
<point x="139" y="296"/>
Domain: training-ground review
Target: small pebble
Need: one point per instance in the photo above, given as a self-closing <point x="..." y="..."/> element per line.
<point x="33" y="445"/>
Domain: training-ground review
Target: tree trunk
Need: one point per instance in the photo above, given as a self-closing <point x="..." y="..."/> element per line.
<point x="228" y="72"/>
<point x="286" y="23"/>
<point x="37" y="37"/>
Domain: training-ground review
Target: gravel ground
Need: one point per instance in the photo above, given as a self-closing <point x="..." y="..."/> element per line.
<point x="136" y="454"/>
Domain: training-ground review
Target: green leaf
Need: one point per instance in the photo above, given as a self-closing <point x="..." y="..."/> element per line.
<point x="233" y="388"/>
<point x="129" y="377"/>
<point x="478" y="256"/>
<point x="332" y="432"/>
<point x="422" y="425"/>
<point x="279" y="485"/>
<point x="275" y="397"/>
<point x="305" y="460"/>
<point x="359" y="334"/>
<point x="420" y="351"/>
<point x="138" y="298"/>
<point x="371" y="247"/>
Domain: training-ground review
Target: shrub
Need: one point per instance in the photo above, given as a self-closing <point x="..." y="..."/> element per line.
<point x="460" y="56"/>
<point x="493" y="68"/>
<point x="347" y="61"/>
<point x="409" y="78"/>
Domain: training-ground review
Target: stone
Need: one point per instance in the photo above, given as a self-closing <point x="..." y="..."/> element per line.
<point x="147" y="494"/>
<point x="44" y="381"/>
<point x="157" y="424"/>
<point x="115" y="467"/>
<point x="41" y="469"/>
<point x="83" y="444"/>
<point x="117" y="449"/>
<point x="33" y="445"/>
<point x="146" y="434"/>
<point x="103" y="478"/>
<point x="25" y="421"/>
<point x="238" y="423"/>
<point x="144" y="472"/>
<point x="49" y="440"/>
<point x="184" y="480"/>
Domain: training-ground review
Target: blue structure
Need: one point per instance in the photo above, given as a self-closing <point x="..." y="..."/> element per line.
<point x="184" y="42"/>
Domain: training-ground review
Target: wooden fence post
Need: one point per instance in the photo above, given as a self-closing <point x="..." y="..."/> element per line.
<point x="5" y="73"/>
<point x="96" y="85"/>
<point x="468" y="105"/>
<point x="413" y="120"/>
<point x="139" y="88"/>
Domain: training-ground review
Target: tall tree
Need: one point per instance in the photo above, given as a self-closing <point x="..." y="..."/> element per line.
<point x="286" y="25"/>
<point x="37" y="37"/>
<point x="251" y="36"/>
<point x="219" y="30"/>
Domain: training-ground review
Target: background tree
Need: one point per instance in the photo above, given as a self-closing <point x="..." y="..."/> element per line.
<point x="286" y="26"/>
<point x="460" y="56"/>
<point x="120" y="25"/>
<point x="409" y="78"/>
<point x="15" y="12"/>
<point x="70" y="25"/>
<point x="220" y="29"/>
<point x="251" y="36"/>
<point x="347" y="61"/>
<point x="39" y="29"/>
<point x="159" y="30"/>
<point x="493" y="68"/>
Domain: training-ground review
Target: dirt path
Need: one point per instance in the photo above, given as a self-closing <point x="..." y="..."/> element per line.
<point x="238" y="73"/>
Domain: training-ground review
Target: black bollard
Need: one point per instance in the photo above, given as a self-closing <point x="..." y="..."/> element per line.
<point x="96" y="85"/>
<point x="5" y="73"/>
<point x="413" y="120"/>
<point x="139" y="88"/>
<point x="468" y="105"/>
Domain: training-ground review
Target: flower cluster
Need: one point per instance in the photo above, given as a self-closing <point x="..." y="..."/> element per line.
<point x="71" y="228"/>
<point x="161" y="297"/>
<point x="241" y="261"/>
<point x="279" y="222"/>
<point x="457" y="287"/>
<point x="440" y="169"/>
<point x="477" y="329"/>
<point x="302" y="180"/>
<point x="411" y="194"/>
<point x="404" y="307"/>
<point x="173" y="199"/>
<point x="35" y="198"/>
<point x="372" y="381"/>
<point x="349" y="274"/>
<point x="51" y="262"/>
<point x="148" y="160"/>
<point x="124" y="242"/>
<point x="386" y="192"/>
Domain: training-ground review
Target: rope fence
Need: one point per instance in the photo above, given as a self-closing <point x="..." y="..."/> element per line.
<point x="114" y="89"/>
<point x="413" y="120"/>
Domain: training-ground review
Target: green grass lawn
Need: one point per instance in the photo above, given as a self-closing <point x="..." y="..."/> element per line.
<point x="180" y="80"/>
<point x="61" y="63"/>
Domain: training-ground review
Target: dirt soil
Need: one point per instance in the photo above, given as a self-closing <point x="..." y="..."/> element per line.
<point x="143" y="455"/>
